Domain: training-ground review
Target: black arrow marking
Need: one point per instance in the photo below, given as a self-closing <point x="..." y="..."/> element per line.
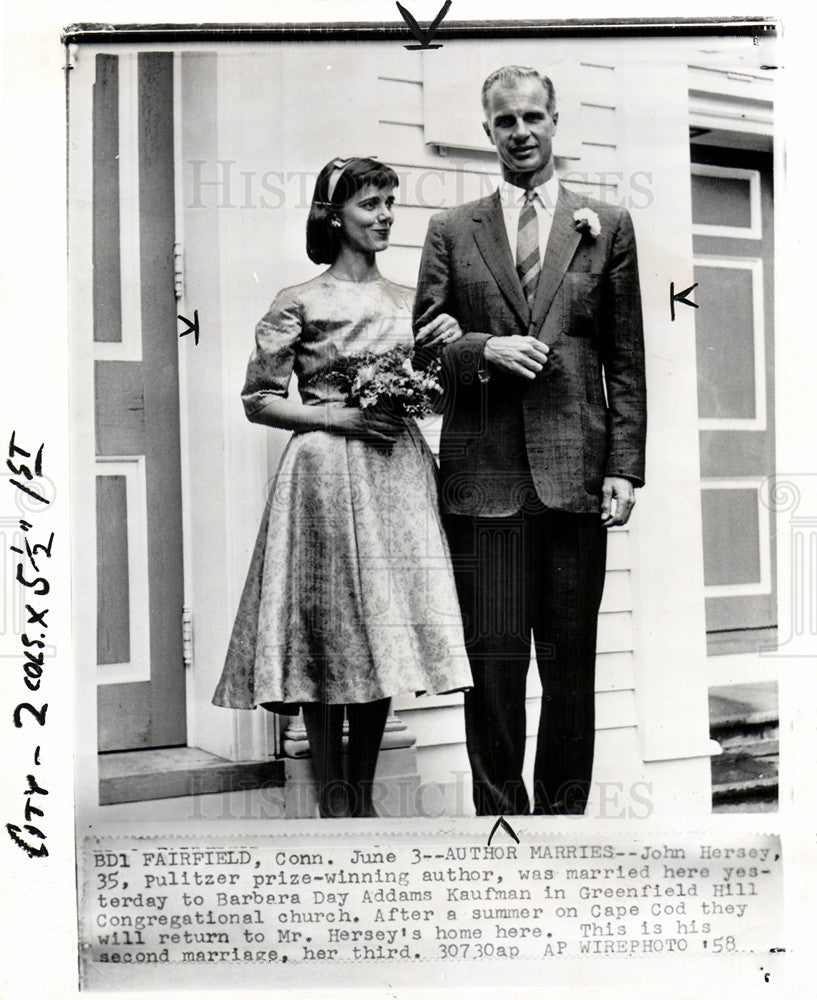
<point x="680" y="297"/>
<point x="191" y="327"/>
<point x="506" y="826"/>
<point x="423" y="37"/>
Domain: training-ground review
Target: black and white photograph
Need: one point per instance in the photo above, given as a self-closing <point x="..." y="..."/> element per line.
<point x="425" y="504"/>
<point x="234" y="187"/>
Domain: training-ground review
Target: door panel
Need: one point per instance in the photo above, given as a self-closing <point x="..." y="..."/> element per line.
<point x="139" y="558"/>
<point x="726" y="350"/>
<point x="113" y="592"/>
<point x="106" y="198"/>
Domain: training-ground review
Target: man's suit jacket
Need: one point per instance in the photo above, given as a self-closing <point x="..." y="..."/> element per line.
<point x="584" y="416"/>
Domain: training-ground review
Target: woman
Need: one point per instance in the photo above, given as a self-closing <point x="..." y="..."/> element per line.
<point x="349" y="598"/>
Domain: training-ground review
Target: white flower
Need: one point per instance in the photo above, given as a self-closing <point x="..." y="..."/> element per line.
<point x="585" y="220"/>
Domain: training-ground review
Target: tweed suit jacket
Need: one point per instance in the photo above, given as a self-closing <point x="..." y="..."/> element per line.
<point x="583" y="417"/>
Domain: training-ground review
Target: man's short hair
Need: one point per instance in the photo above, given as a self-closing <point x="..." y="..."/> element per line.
<point x="512" y="75"/>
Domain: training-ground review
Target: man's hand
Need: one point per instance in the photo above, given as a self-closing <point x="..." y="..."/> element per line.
<point x="525" y="356"/>
<point x="617" y="500"/>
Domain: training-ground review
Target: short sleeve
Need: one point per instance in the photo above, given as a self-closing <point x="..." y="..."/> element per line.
<point x="271" y="363"/>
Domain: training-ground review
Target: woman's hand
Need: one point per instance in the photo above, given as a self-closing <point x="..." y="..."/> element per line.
<point x="366" y="424"/>
<point x="442" y="330"/>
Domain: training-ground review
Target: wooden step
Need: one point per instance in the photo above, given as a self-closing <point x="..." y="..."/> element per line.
<point x="172" y="772"/>
<point x="744" y="721"/>
<point x="738" y="746"/>
<point x="743" y="705"/>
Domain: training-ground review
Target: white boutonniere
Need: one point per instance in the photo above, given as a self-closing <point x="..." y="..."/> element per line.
<point x="585" y="220"/>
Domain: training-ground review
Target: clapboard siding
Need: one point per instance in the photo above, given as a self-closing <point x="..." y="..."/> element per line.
<point x="445" y="725"/>
<point x="436" y="726"/>
<point x="405" y="144"/>
<point x="410" y="226"/>
<point x="618" y="549"/>
<point x="402" y="100"/>
<point x="599" y="122"/>
<point x="447" y="792"/>
<point x="617" y="593"/>
<point x="615" y="632"/>
<point x="597" y="76"/>
<point x="600" y="156"/>
<point x="451" y="90"/>
<point x="614" y="671"/>
<point x="616" y="710"/>
<point x="443" y="184"/>
<point x="587" y="182"/>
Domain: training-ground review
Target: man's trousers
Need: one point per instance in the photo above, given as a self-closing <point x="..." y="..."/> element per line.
<point x="537" y="573"/>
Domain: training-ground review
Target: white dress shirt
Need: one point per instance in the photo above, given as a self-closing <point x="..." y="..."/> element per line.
<point x="512" y="200"/>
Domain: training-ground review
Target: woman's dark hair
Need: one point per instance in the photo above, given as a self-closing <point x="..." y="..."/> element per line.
<point x="336" y="184"/>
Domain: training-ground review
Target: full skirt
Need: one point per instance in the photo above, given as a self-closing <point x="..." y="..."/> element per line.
<point x="350" y="595"/>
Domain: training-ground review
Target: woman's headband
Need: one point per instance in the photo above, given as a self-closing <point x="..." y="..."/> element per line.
<point x="334" y="177"/>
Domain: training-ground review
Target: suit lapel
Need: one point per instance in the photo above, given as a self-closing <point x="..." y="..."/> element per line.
<point x="492" y="239"/>
<point x="562" y="243"/>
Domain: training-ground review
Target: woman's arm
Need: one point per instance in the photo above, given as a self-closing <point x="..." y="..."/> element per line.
<point x="348" y="421"/>
<point x="268" y="374"/>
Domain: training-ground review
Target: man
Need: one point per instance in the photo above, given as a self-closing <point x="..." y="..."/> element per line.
<point x="542" y="441"/>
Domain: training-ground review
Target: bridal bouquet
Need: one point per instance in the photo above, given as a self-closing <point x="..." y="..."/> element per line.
<point x="387" y="381"/>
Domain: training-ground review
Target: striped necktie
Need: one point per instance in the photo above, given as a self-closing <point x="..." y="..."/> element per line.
<point x="527" y="247"/>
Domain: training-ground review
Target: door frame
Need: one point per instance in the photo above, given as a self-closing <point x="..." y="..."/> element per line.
<point x="82" y="458"/>
<point x="224" y="458"/>
<point x="737" y="111"/>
